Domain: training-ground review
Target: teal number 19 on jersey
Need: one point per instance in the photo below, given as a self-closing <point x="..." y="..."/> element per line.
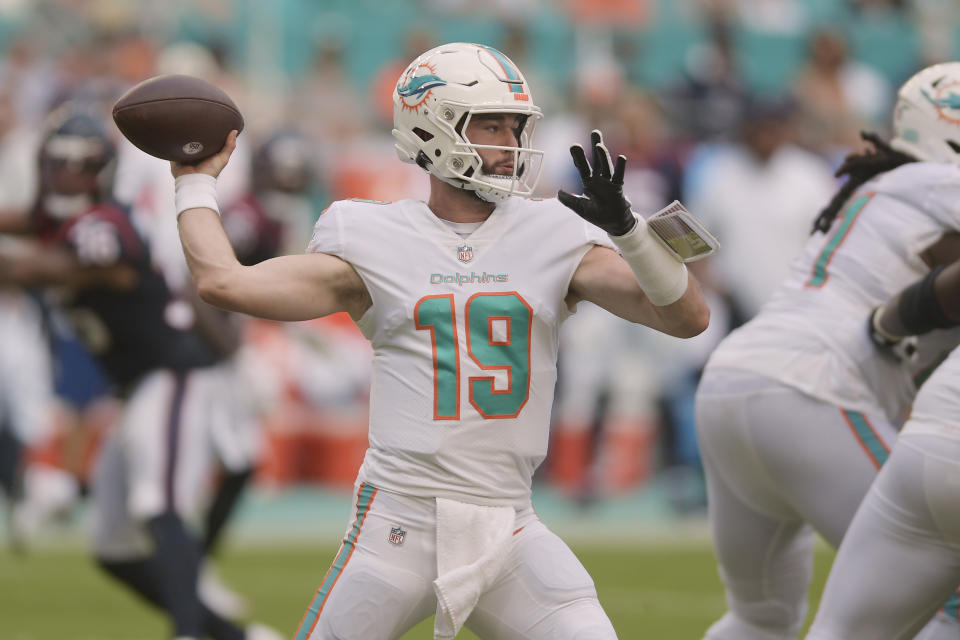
<point x="497" y="327"/>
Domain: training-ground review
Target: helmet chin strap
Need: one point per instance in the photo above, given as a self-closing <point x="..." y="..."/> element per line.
<point x="64" y="207"/>
<point x="497" y="195"/>
<point x="485" y="195"/>
<point x="476" y="186"/>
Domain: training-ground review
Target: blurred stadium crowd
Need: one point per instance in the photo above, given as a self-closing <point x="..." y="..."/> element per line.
<point x="739" y="108"/>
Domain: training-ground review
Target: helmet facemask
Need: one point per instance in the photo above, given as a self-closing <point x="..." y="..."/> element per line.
<point x="467" y="163"/>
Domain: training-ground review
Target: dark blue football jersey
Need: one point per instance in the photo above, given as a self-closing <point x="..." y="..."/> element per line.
<point x="254" y="235"/>
<point x="135" y="330"/>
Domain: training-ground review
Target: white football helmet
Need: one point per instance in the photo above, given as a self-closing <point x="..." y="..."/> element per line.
<point x="926" y="118"/>
<point x="435" y="98"/>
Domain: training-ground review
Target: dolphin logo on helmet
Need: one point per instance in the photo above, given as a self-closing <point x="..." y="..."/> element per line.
<point x="420" y="85"/>
<point x="952" y="101"/>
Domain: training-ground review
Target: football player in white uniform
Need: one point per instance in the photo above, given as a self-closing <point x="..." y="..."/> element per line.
<point x="901" y="556"/>
<point x="797" y="410"/>
<point x="461" y="298"/>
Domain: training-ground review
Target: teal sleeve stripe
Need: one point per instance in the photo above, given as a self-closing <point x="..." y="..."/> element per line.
<point x="364" y="500"/>
<point x="850" y="214"/>
<point x="512" y="74"/>
<point x="868" y="437"/>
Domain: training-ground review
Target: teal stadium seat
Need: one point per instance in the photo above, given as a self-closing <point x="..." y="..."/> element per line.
<point x="888" y="42"/>
<point x="769" y="61"/>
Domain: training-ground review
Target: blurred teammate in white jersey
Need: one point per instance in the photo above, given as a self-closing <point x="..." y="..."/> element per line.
<point x="901" y="556"/>
<point x="797" y="410"/>
<point x="461" y="297"/>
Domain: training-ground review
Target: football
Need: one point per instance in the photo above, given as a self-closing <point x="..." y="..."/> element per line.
<point x="177" y="117"/>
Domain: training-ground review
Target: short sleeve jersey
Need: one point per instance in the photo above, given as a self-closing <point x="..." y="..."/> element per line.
<point x="812" y="333"/>
<point x="465" y="337"/>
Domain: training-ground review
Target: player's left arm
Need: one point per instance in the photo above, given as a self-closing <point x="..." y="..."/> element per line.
<point x="645" y="283"/>
<point x="605" y="279"/>
<point x="933" y="302"/>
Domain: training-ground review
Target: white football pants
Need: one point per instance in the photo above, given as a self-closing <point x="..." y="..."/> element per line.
<point x="779" y="465"/>
<point x="159" y="457"/>
<point x="377" y="589"/>
<point x="901" y="557"/>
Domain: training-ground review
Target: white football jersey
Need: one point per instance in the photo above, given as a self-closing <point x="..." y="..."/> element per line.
<point x="465" y="334"/>
<point x="812" y="333"/>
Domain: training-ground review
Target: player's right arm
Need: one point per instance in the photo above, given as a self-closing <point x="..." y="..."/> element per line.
<point x="295" y="287"/>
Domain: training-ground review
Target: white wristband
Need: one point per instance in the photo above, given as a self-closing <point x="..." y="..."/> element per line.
<point x="660" y="274"/>
<point x="195" y="191"/>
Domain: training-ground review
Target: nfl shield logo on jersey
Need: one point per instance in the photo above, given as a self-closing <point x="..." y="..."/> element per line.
<point x="465" y="253"/>
<point x="397" y="534"/>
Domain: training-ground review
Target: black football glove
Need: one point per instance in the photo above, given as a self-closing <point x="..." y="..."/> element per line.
<point x="602" y="202"/>
<point x="901" y="349"/>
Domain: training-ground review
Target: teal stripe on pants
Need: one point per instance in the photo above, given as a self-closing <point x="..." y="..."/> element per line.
<point x="876" y="448"/>
<point x="364" y="500"/>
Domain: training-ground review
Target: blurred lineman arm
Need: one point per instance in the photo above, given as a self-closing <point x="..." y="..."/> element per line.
<point x="932" y="302"/>
<point x="27" y="263"/>
<point x="15" y="222"/>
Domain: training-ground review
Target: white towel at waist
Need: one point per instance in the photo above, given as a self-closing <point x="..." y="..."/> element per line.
<point x="472" y="546"/>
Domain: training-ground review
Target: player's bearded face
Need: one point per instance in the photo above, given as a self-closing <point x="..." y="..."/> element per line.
<point x="495" y="129"/>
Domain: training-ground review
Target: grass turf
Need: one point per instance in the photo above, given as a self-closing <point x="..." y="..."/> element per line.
<point x="658" y="591"/>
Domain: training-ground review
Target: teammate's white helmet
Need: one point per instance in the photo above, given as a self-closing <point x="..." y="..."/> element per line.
<point x="435" y="98"/>
<point x="926" y="118"/>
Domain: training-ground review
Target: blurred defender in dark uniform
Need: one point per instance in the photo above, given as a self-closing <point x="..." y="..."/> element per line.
<point x="276" y="217"/>
<point x="153" y="470"/>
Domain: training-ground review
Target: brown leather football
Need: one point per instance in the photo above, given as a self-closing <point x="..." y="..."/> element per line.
<point x="177" y="117"/>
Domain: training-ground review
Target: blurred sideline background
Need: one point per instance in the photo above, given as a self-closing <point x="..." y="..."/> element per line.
<point x="742" y="109"/>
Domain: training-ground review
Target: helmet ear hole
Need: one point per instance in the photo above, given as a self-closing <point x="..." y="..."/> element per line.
<point x="953" y="145"/>
<point x="424" y="135"/>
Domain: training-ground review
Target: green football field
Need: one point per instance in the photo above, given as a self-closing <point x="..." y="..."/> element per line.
<point x="658" y="590"/>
